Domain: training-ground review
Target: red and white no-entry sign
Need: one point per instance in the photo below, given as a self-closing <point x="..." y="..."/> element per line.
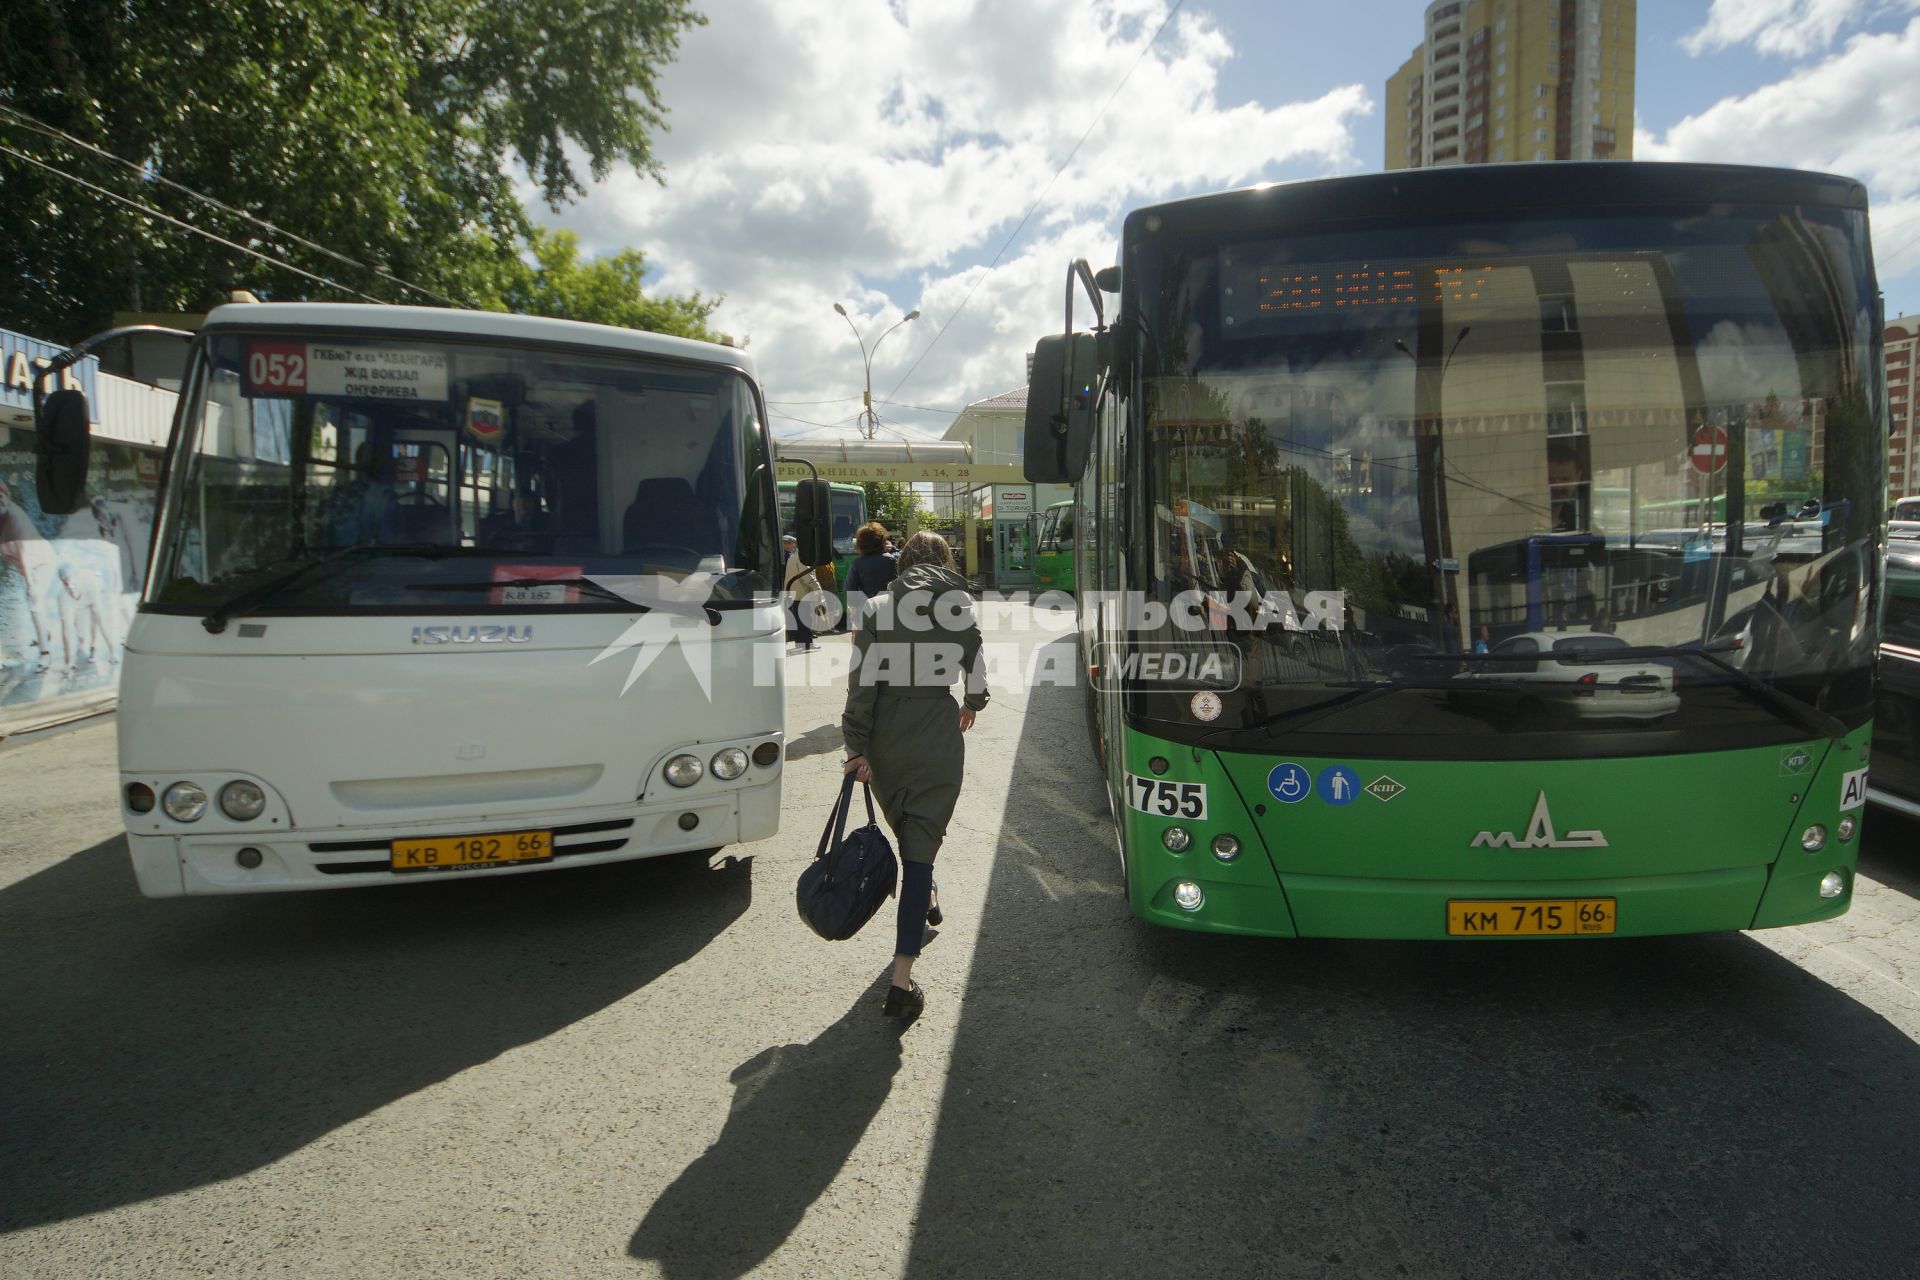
<point x="1709" y="452"/>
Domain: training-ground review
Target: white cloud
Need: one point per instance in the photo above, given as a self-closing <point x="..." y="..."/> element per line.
<point x="879" y="154"/>
<point x="1791" y="28"/>
<point x="1855" y="113"/>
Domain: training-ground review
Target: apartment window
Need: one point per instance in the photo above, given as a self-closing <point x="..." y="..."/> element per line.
<point x="1539" y="155"/>
<point x="1499" y="68"/>
<point x="1566" y="406"/>
<point x="1553" y="68"/>
<point x="1539" y="91"/>
<point x="1500" y="90"/>
<point x="1500" y="48"/>
<point x="1499" y="132"/>
<point x="1557" y="314"/>
<point x="1539" y="113"/>
<point x="1500" y="27"/>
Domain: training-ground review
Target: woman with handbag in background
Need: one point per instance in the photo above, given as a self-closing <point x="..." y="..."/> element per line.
<point x="903" y="728"/>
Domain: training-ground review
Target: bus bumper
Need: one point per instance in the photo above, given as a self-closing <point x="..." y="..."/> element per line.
<point x="340" y="858"/>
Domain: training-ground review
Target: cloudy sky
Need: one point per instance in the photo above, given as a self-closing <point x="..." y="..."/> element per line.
<point x="954" y="155"/>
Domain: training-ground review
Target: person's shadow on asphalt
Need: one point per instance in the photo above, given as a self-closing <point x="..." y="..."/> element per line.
<point x="798" y="1112"/>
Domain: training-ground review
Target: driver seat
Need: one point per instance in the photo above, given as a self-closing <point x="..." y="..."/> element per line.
<point x="665" y="512"/>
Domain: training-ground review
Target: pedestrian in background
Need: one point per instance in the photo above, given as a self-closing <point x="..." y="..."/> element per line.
<point x="799" y="580"/>
<point x="873" y="569"/>
<point x="903" y="728"/>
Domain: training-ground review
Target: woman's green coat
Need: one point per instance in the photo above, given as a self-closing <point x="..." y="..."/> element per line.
<point x="916" y="640"/>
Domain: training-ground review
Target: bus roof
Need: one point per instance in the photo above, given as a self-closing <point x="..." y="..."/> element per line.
<point x="1503" y="189"/>
<point x="448" y="322"/>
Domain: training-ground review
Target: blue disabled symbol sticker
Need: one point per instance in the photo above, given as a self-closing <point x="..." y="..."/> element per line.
<point x="1290" y="783"/>
<point x="1338" y="784"/>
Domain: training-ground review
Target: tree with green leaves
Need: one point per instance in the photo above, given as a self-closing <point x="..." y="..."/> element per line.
<point x="896" y="506"/>
<point x="375" y="136"/>
<point x="604" y="290"/>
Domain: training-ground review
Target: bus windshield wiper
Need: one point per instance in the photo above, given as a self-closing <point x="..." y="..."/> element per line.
<point x="253" y="596"/>
<point x="1353" y="694"/>
<point x="598" y="589"/>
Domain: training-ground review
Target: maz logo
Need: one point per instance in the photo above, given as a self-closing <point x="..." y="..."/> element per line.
<point x="472" y="635"/>
<point x="1540" y="835"/>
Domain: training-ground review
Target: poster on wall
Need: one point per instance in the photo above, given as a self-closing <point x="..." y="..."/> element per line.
<point x="68" y="584"/>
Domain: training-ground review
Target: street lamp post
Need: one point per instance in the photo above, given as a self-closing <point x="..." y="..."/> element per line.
<point x="866" y="358"/>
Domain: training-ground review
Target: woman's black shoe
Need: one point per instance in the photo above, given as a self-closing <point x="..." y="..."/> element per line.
<point x="905" y="1002"/>
<point x="934" y="914"/>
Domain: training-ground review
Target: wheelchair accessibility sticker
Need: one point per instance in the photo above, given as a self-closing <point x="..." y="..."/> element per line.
<point x="1290" y="783"/>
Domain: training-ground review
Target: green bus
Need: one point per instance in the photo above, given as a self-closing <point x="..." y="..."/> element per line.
<point x="1368" y="660"/>
<point x="1053" y="548"/>
<point x="848" y="506"/>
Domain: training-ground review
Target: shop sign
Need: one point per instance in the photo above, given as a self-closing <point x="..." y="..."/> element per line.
<point x="22" y="357"/>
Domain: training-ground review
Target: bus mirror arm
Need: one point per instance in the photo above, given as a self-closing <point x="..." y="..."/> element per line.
<point x="63" y="424"/>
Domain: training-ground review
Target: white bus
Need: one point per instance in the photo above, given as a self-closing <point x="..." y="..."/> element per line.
<point x="432" y="592"/>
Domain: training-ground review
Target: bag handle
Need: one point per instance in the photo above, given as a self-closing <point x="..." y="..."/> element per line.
<point x="837" y="819"/>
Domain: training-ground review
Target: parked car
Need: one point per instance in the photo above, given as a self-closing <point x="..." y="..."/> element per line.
<point x="1570" y="684"/>
<point x="1894" y="780"/>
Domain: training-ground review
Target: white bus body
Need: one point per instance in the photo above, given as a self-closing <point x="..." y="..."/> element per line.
<point x="433" y="690"/>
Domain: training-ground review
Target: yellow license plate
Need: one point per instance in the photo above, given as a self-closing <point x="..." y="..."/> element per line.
<point x="464" y="853"/>
<point x="1529" y="917"/>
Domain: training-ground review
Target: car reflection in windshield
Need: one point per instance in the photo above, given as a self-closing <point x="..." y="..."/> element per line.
<point x="1567" y="686"/>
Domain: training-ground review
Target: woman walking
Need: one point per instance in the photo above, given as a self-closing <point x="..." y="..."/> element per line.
<point x="872" y="570"/>
<point x="903" y="728"/>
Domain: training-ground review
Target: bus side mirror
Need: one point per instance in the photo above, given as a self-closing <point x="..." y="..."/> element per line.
<point x="1060" y="408"/>
<point x="813" y="520"/>
<point x="64" y="437"/>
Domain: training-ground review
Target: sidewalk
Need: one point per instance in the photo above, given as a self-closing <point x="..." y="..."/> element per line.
<point x="46" y="713"/>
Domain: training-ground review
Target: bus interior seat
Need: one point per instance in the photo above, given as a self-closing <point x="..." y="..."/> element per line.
<point x="666" y="512"/>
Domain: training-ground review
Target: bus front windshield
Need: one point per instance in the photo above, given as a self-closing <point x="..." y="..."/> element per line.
<point x="1437" y="452"/>
<point x="370" y="472"/>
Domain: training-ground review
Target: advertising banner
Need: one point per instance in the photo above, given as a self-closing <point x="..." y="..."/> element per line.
<point x="68" y="584"/>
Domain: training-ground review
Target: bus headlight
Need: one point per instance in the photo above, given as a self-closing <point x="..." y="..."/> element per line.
<point x="140" y="797"/>
<point x="1187" y="896"/>
<point x="684" y="770"/>
<point x="243" y="801"/>
<point x="1226" y="848"/>
<point x="1847" y="827"/>
<point x="1176" y="839"/>
<point x="184" y="801"/>
<point x="1814" y="838"/>
<point x="1832" y="884"/>
<point x="729" y="763"/>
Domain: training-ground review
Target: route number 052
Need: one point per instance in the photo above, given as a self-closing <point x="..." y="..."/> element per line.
<point x="276" y="368"/>
<point x="1167" y="799"/>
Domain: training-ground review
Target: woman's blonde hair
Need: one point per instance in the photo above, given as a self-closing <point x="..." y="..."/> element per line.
<point x="925" y="547"/>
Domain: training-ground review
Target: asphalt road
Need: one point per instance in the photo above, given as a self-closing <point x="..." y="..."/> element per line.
<point x="654" y="1069"/>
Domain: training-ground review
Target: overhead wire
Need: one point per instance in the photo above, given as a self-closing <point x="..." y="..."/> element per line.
<point x="1028" y="216"/>
<point x="52" y="131"/>
<point x="151" y="212"/>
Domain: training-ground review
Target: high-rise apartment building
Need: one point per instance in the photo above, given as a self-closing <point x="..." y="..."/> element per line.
<point x="1515" y="80"/>
<point x="1902" y="345"/>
